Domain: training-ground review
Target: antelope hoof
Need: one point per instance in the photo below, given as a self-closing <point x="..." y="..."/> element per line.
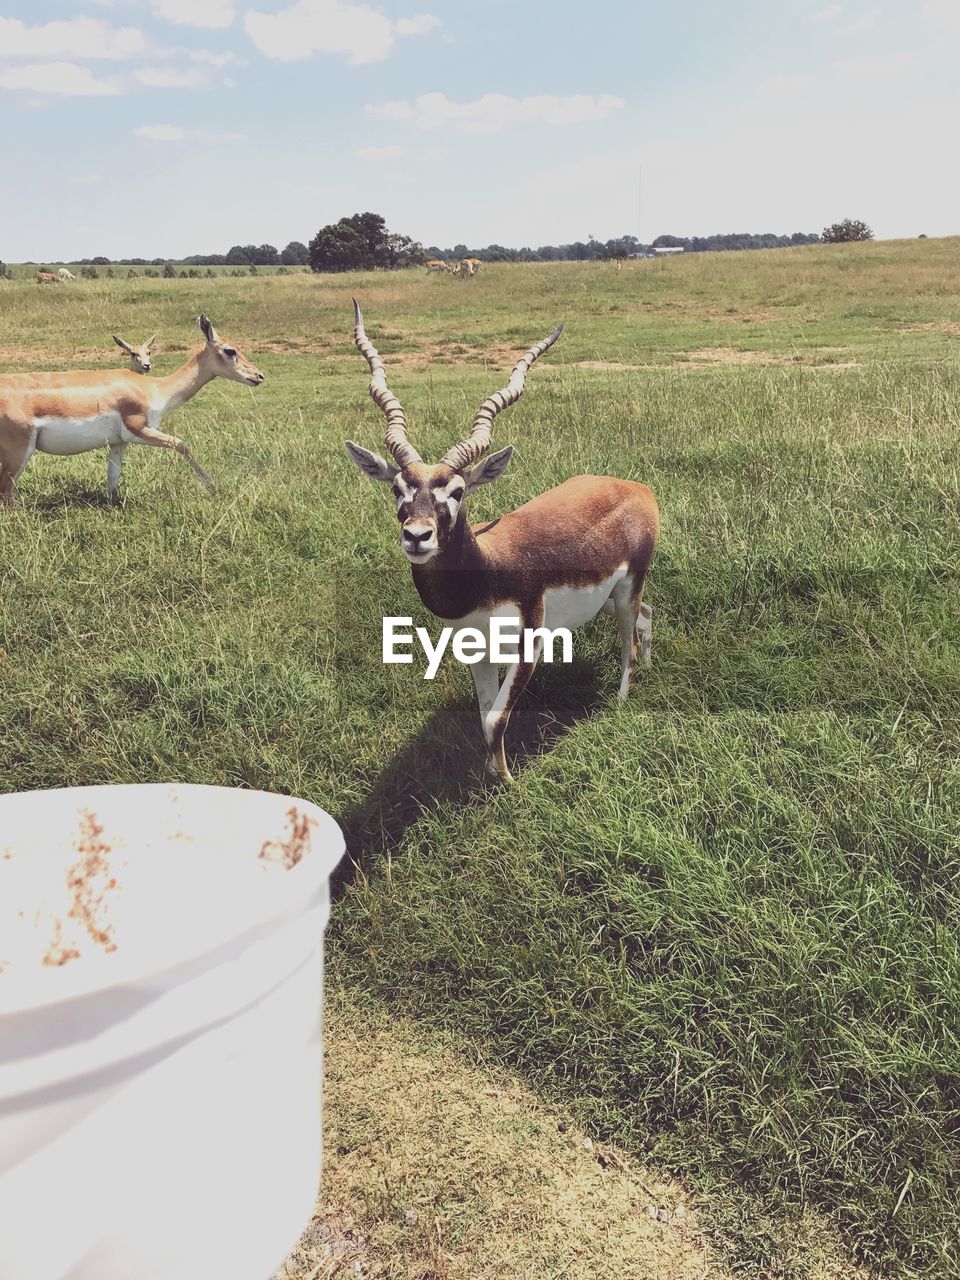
<point x="496" y="771"/>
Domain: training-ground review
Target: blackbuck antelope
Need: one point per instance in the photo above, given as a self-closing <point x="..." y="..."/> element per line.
<point x="67" y="413"/>
<point x="554" y="562"/>
<point x="437" y="264"/>
<point x="48" y="277"/>
<point x="468" y="266"/>
<point x="139" y="356"/>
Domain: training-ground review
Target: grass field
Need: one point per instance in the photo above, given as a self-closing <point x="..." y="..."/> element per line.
<point x="719" y="921"/>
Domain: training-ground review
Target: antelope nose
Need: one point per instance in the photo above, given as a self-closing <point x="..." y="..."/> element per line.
<point x="416" y="536"/>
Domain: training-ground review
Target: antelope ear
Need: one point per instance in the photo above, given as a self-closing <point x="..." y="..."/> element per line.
<point x="371" y="464"/>
<point x="150" y="343"/>
<point x="490" y="468"/>
<point x="208" y="331"/>
<point x="124" y="346"/>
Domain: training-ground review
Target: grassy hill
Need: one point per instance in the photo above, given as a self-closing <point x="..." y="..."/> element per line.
<point x="719" y="921"/>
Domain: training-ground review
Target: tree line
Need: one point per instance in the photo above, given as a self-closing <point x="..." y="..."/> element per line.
<point x="362" y="242"/>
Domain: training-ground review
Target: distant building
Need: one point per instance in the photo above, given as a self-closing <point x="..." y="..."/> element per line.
<point x="671" y="248"/>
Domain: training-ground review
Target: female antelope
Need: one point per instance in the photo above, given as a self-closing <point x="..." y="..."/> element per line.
<point x="554" y="562"/>
<point x="67" y="413"/>
<point x="140" y="357"/>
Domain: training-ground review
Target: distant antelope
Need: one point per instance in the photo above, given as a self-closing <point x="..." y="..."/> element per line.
<point x="139" y="356"/>
<point x="468" y="266"/>
<point x="437" y="264"/>
<point x="48" y="277"/>
<point x="65" y="274"/>
<point x="72" y="413"/>
<point x="554" y="562"/>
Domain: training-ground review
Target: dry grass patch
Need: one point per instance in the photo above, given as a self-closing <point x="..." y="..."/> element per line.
<point x="437" y="1168"/>
<point x="932" y="326"/>
<point x="814" y="358"/>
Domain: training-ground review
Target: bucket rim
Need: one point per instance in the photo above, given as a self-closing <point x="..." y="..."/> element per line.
<point x="302" y="884"/>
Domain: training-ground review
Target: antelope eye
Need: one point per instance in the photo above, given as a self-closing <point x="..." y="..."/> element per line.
<point x="229" y="351"/>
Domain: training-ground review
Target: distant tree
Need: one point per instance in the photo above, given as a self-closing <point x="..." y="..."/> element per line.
<point x="295" y="254"/>
<point x="89" y="273"/>
<point x="131" y="274"/>
<point x="211" y="273"/>
<point x="265" y="255"/>
<point x="361" y="243"/>
<point x="3" y="269"/>
<point x="237" y="257"/>
<point x="339" y="247"/>
<point x="845" y="231"/>
<point x="109" y="273"/>
<point x="168" y="271"/>
<point x="617" y="250"/>
<point x="253" y="269"/>
<point x="403" y="251"/>
<point x="100" y="261"/>
<point x="151" y="273"/>
<point x="921" y="236"/>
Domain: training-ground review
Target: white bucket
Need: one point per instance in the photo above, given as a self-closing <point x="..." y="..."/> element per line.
<point x="161" y="967"/>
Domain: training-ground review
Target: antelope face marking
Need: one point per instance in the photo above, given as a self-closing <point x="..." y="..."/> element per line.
<point x="429" y="498"/>
<point x="428" y="503"/>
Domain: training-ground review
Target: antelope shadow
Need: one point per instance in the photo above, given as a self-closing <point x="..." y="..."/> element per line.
<point x="445" y="761"/>
<point x="70" y="492"/>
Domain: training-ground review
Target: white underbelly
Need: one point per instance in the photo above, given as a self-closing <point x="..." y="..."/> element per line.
<point x="568" y="607"/>
<point x="72" y="435"/>
<point x="571" y="607"/>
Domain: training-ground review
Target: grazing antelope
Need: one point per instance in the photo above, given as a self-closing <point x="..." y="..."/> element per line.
<point x="73" y="413"/>
<point x="139" y="356"/>
<point x="554" y="562"/>
<point x="65" y="274"/>
<point x="48" y="277"/>
<point x="437" y="264"/>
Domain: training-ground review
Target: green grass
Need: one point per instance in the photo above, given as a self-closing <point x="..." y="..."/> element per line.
<point x="722" y="918"/>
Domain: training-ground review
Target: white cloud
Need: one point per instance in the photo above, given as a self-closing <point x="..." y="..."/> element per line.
<point x="353" y="31"/>
<point x="217" y="59"/>
<point x="878" y="66"/>
<point x="174" y="133"/>
<point x="418" y="25"/>
<point x="494" y="111"/>
<point x="828" y="14"/>
<point x="75" y="38"/>
<point x="944" y="14"/>
<point x="381" y="153"/>
<point x="161" y="132"/>
<point x="56" y="77"/>
<point x="196" y="13"/>
<point x="171" y="78"/>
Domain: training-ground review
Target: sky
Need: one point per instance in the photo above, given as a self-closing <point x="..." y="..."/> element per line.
<point x="168" y="127"/>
